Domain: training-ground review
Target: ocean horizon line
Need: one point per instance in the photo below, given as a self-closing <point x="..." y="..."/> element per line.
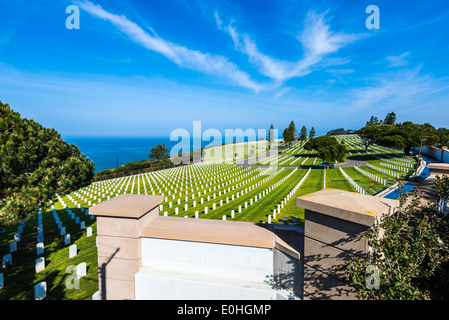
<point x="108" y="152"/>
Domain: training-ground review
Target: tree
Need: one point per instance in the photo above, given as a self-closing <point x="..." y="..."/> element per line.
<point x="303" y="134"/>
<point x="292" y="128"/>
<point x="35" y="165"/>
<point x="410" y="250"/>
<point x="158" y="152"/>
<point x="401" y="136"/>
<point x="373" y="121"/>
<point x="415" y="135"/>
<point x="339" y="131"/>
<point x="288" y="136"/>
<point x="428" y="135"/>
<point x="443" y="135"/>
<point x="385" y="135"/>
<point x="312" y="133"/>
<point x="390" y="118"/>
<point x="328" y="148"/>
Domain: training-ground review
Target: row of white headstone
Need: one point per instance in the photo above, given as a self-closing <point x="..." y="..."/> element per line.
<point x="354" y="184"/>
<point x="224" y="185"/>
<point x="371" y="176"/>
<point x="40" y="290"/>
<point x="394" y="167"/>
<point x="163" y="181"/>
<point x="287" y="198"/>
<point x="240" y="193"/>
<point x="390" y="173"/>
<point x="400" y="162"/>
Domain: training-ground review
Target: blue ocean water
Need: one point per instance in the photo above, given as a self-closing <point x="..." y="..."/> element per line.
<point x="110" y="152"/>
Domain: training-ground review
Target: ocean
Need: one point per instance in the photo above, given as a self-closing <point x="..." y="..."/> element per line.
<point x="110" y="152"/>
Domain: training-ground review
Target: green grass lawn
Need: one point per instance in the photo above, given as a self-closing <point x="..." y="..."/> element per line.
<point x="371" y="186"/>
<point x="20" y="278"/>
<point x="336" y="180"/>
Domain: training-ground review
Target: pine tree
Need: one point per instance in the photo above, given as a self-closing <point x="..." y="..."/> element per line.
<point x="35" y="164"/>
<point x="312" y="133"/>
<point x="303" y="134"/>
<point x="390" y="119"/>
<point x="292" y="128"/>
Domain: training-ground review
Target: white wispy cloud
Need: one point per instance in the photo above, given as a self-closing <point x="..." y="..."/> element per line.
<point x="280" y="93"/>
<point x="398" y="61"/>
<point x="184" y="57"/>
<point x="318" y="42"/>
<point x="401" y="89"/>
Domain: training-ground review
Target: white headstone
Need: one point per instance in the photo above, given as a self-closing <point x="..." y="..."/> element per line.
<point x="96" y="296"/>
<point x="13" y="246"/>
<point x="82" y="225"/>
<point x="17" y="237"/>
<point x="89" y="231"/>
<point x="81" y="270"/>
<point x="1" y="281"/>
<point x="62" y="231"/>
<point x="7" y="259"/>
<point x="40" y="264"/>
<point x="40" y="290"/>
<point x="72" y="251"/>
<point x="67" y="239"/>
<point x="40" y="248"/>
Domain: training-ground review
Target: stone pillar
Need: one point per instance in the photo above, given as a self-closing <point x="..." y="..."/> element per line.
<point x="119" y="221"/>
<point x="334" y="224"/>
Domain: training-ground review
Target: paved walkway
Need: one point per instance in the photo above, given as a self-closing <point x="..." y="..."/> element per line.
<point x="249" y="162"/>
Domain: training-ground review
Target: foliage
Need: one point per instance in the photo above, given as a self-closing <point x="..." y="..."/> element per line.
<point x="390" y="119"/>
<point x="373" y="121"/>
<point x="442" y="187"/>
<point x="132" y="166"/>
<point x="288" y="136"/>
<point x="292" y="128"/>
<point x="158" y="152"/>
<point x="409" y="248"/>
<point x="303" y="134"/>
<point x="329" y="149"/>
<point x="401" y="136"/>
<point x="35" y="164"/>
<point x="443" y="135"/>
<point x="312" y="133"/>
<point x="339" y="131"/>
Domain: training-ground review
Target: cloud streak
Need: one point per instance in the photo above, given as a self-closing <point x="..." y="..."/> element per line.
<point x="316" y="38"/>
<point x="407" y="87"/>
<point x="184" y="57"/>
<point x="398" y="61"/>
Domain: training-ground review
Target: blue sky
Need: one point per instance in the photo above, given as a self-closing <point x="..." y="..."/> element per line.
<point x="145" y="68"/>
